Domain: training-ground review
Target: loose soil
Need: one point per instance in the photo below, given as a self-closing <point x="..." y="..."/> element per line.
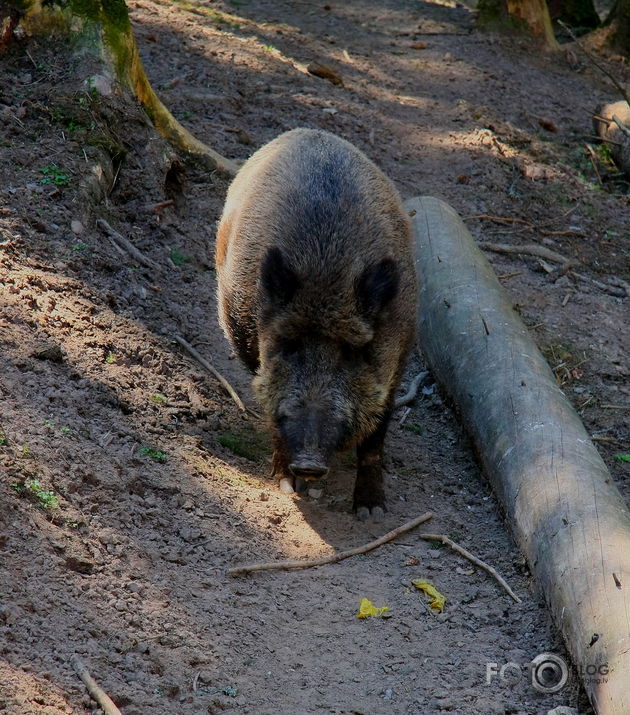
<point x="131" y="482"/>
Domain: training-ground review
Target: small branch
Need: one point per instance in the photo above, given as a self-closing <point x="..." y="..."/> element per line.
<point x="106" y="704"/>
<point x="443" y="539"/>
<point x="530" y="250"/>
<point x="498" y="219"/>
<point x="601" y="139"/>
<point x="213" y="371"/>
<point x="411" y="393"/>
<point x="125" y="243"/>
<point x="613" y="288"/>
<point x="526" y="224"/>
<point x="621" y="125"/>
<point x="156" y="208"/>
<point x="333" y="558"/>
<point x="593" y="157"/>
<point x="405" y="414"/>
<point x="601" y="68"/>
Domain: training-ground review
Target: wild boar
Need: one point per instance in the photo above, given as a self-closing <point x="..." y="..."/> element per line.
<point x="317" y="293"/>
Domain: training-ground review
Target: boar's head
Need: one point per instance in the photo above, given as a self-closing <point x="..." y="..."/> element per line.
<point x="323" y="380"/>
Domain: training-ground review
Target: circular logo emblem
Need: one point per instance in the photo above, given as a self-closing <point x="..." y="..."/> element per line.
<point x="549" y="673"/>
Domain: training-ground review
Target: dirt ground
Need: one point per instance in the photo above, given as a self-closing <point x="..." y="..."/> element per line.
<point x="130" y="482"/>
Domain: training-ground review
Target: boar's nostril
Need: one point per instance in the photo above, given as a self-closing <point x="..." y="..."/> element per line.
<point x="308" y="468"/>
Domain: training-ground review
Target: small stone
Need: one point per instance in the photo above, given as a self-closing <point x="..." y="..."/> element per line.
<point x="49" y="351"/>
<point x="76" y="226"/>
<point x="325" y="72"/>
<point x="563" y="710"/>
<point x="264" y="496"/>
<point x="315" y="493"/>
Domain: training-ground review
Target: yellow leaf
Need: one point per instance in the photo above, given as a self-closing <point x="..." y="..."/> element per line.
<point x="367" y="609"/>
<point x="437" y="599"/>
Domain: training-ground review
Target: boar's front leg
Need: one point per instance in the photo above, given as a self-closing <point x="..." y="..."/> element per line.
<point x="280" y="468"/>
<point x="369" y="495"/>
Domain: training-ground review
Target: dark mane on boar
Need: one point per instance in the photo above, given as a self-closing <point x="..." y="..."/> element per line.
<point x="317" y="292"/>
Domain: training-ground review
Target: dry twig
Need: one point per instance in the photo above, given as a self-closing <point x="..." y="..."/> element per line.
<point x="125" y="243"/>
<point x="411" y="393"/>
<point x="106" y="704"/>
<point x="443" y="539"/>
<point x="333" y="558"/>
<point x="530" y="250"/>
<point x="156" y="208"/>
<point x="213" y="371"/>
<point x="593" y="157"/>
<point x="621" y="125"/>
<point x="525" y="224"/>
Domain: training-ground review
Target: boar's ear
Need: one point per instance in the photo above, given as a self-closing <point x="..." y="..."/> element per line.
<point x="377" y="286"/>
<point x="279" y="280"/>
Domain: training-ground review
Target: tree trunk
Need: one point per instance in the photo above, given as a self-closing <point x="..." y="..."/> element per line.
<point x="102" y="29"/>
<point x="618" y="22"/>
<point x="567" y="516"/>
<point x="577" y="14"/>
<point x="524" y="16"/>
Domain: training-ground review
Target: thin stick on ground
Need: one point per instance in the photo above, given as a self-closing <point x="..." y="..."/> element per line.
<point x="106" y="704"/>
<point x="600" y="67"/>
<point x="125" y="243"/>
<point x="333" y="558"/>
<point x="621" y="125"/>
<point x="593" y="157"/>
<point x="213" y="371"/>
<point x="498" y="219"/>
<point x="529" y="250"/>
<point x="443" y="539"/>
<point x="526" y="224"/>
<point x="411" y="393"/>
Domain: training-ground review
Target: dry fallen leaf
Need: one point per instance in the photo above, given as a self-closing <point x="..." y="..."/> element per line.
<point x="367" y="609"/>
<point x="437" y="599"/>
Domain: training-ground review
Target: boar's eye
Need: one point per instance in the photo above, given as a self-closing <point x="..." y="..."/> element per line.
<point x="279" y="280"/>
<point x="289" y="347"/>
<point x="352" y="353"/>
<point x="377" y="286"/>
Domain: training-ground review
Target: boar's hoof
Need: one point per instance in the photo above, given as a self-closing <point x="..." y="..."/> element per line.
<point x="290" y="485"/>
<point x="376" y="513"/>
<point x="286" y="485"/>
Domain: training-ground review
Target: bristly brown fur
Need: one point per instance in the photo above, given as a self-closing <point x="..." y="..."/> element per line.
<point x="336" y="243"/>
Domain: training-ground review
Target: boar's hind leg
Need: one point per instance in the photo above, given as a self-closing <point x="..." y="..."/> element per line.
<point x="280" y="468"/>
<point x="369" y="495"/>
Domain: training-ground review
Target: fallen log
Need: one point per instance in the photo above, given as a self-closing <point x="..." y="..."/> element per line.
<point x="566" y="514"/>
<point x="612" y="124"/>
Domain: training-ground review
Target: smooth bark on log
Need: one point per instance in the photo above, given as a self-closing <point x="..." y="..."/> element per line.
<point x="567" y="516"/>
<point x="619" y="139"/>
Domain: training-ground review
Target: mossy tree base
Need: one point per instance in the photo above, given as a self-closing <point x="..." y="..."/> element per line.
<point x="526" y="17"/>
<point x="102" y="29"/>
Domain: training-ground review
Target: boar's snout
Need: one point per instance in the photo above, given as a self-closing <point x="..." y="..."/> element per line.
<point x="308" y="466"/>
